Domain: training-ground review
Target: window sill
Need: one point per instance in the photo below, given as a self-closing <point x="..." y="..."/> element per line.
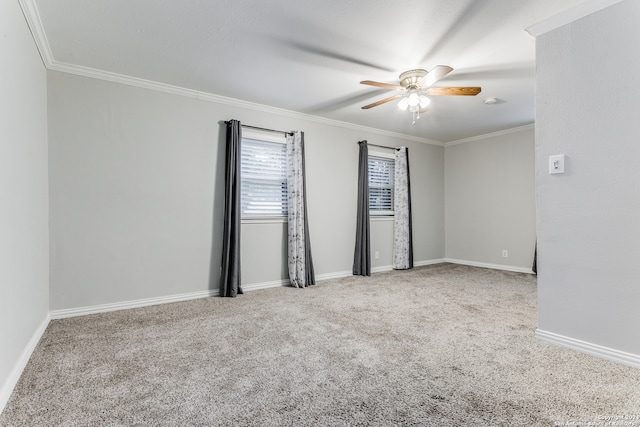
<point x="263" y="220"/>
<point x="380" y="218"/>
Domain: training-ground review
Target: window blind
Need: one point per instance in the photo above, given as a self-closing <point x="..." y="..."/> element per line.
<point x="381" y="177"/>
<point x="263" y="178"/>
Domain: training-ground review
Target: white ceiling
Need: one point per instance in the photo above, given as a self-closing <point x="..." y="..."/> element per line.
<point x="309" y="56"/>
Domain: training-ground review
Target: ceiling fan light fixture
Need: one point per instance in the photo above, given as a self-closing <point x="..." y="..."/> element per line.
<point x="413" y="99"/>
<point x="416" y="84"/>
<point x="424" y="102"/>
<point x="403" y="104"/>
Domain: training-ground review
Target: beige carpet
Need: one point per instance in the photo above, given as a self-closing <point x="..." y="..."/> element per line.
<point x="444" y="345"/>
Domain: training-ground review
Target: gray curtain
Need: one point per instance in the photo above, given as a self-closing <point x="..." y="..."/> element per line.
<point x="230" y="269"/>
<point x="402" y="227"/>
<point x="362" y="255"/>
<point x="300" y="263"/>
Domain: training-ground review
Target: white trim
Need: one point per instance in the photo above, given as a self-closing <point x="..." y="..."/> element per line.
<point x="32" y="16"/>
<point x="265" y="285"/>
<point x="491" y="135"/>
<point x="589" y="348"/>
<point x="570" y="15"/>
<point x="380" y="217"/>
<point x="491" y="266"/>
<point x="123" y="305"/>
<point x="348" y="273"/>
<point x="335" y="275"/>
<point x="263" y="220"/>
<point x="210" y="97"/>
<point x="429" y="262"/>
<point x="381" y="269"/>
<point x="385" y="268"/>
<point x="373" y="152"/>
<point x="264" y="135"/>
<point x="21" y="363"/>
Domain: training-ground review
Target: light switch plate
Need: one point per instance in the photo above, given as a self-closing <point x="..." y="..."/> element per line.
<point x="556" y="164"/>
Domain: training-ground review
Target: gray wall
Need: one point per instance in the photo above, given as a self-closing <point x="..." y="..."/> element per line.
<point x="587" y="107"/>
<point x="490" y="200"/>
<point x="136" y="181"/>
<point x="24" y="241"/>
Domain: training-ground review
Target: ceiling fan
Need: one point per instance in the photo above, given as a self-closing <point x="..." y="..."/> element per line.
<point x="415" y="85"/>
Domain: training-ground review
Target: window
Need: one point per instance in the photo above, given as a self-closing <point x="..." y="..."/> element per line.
<point x="381" y="178"/>
<point x="263" y="170"/>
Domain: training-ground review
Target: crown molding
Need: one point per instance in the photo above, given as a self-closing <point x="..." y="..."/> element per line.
<point x="490" y="135"/>
<point x="210" y="97"/>
<point x="570" y="15"/>
<point x="32" y="16"/>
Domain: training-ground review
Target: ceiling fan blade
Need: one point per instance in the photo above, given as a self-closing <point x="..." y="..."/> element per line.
<point x="382" y="101"/>
<point x="438" y="72"/>
<point x="453" y="91"/>
<point x="384" y="85"/>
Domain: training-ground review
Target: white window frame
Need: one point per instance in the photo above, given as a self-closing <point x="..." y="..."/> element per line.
<point x="380" y="214"/>
<point x="267" y="137"/>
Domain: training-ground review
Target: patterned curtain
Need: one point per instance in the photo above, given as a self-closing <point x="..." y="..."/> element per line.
<point x="230" y="268"/>
<point x="300" y="263"/>
<point x="362" y="253"/>
<point x="402" y="227"/>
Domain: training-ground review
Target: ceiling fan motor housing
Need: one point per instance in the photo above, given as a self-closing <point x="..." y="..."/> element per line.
<point x="409" y="79"/>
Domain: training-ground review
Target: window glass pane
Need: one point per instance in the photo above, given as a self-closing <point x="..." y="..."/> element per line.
<point x="263" y="178"/>
<point x="381" y="177"/>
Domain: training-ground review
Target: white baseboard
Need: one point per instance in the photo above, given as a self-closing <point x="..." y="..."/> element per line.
<point x="264" y="285"/>
<point x="124" y="305"/>
<point x="487" y="265"/>
<point x="384" y="268"/>
<point x="104" y="308"/>
<point x="429" y="262"/>
<point x="16" y="372"/>
<point x="347" y="273"/>
<point x="380" y="269"/>
<point x="587" y="347"/>
<point x="336" y="275"/>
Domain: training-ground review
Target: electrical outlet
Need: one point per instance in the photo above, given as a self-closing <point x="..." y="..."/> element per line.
<point x="376" y="254"/>
<point x="505" y="253"/>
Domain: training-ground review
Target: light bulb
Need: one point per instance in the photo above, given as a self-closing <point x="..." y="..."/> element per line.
<point x="424" y="101"/>
<point x="414" y="99"/>
<point x="403" y="104"/>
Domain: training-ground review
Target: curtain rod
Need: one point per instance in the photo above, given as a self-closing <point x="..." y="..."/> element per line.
<point x="264" y="129"/>
<point x="380" y="146"/>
